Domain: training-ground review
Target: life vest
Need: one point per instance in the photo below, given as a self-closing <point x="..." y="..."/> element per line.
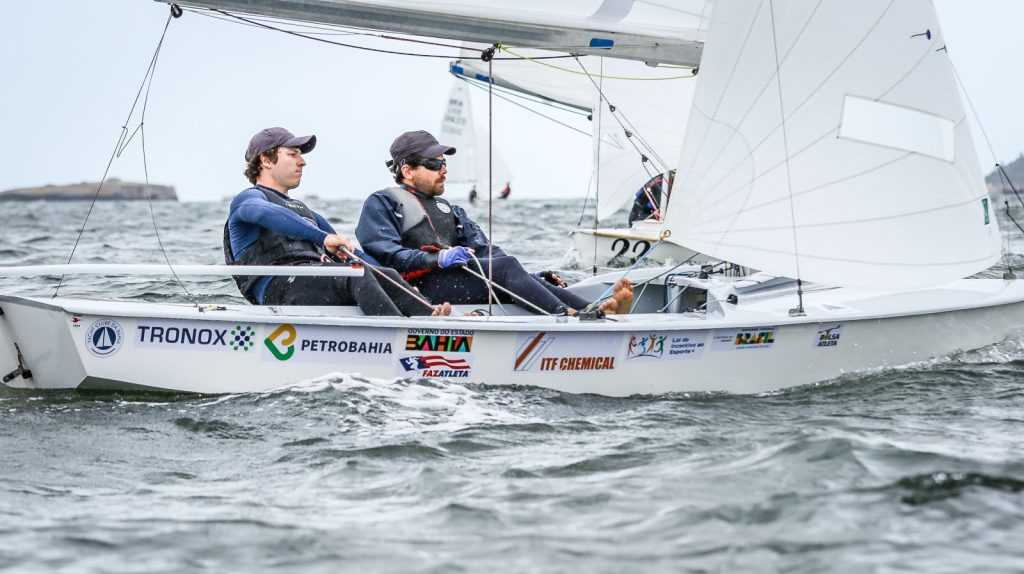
<point x="427" y="223"/>
<point x="273" y="248"/>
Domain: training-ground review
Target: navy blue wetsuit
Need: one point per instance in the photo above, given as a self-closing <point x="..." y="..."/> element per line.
<point x="250" y="211"/>
<point x="380" y="232"/>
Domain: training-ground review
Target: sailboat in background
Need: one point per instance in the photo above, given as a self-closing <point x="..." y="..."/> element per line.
<point x="472" y="169"/>
<point x="636" y="113"/>
<point x="827" y="146"/>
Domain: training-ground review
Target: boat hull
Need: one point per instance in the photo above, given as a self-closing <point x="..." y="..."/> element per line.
<point x="180" y="348"/>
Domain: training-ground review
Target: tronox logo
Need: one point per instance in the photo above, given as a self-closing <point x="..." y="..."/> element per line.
<point x="237" y="338"/>
<point x="182" y="335"/>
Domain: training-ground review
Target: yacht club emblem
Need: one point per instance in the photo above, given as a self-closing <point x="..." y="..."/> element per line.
<point x="104" y="337"/>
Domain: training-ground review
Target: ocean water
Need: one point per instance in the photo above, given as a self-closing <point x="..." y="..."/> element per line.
<point x="916" y="469"/>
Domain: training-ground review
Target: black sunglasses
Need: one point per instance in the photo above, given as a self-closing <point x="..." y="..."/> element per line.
<point x="433" y="164"/>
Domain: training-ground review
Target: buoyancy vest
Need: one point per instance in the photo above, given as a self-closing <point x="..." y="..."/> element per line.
<point x="425" y="220"/>
<point x="273" y="248"/>
<point x="427" y="223"/>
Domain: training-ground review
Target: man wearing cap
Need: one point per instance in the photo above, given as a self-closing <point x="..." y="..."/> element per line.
<point x="267" y="227"/>
<point x="412" y="229"/>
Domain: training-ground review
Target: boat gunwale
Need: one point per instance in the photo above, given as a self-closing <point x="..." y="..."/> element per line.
<point x="1005" y="295"/>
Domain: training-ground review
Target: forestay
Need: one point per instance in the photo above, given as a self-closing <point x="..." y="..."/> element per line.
<point x="852" y="165"/>
<point x="471" y="164"/>
<point x="651" y="31"/>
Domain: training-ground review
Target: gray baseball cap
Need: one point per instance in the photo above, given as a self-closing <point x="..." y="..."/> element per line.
<point x="273" y="137"/>
<point x="417" y="144"/>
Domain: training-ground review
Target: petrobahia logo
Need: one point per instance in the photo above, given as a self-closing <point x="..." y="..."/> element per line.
<point x="281" y="342"/>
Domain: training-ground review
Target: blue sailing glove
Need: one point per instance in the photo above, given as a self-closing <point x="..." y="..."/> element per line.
<point x="453" y="256"/>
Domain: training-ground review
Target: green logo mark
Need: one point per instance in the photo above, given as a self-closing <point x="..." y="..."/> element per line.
<point x="287" y="335"/>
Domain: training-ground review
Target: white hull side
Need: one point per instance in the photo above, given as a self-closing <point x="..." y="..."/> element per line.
<point x="117" y="348"/>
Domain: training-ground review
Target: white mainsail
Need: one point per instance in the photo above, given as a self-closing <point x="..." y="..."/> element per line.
<point x="647" y="30"/>
<point x="472" y="164"/>
<point x="864" y="173"/>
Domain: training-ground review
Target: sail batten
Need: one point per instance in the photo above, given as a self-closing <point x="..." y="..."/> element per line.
<point x="847" y="161"/>
<point x="654" y="34"/>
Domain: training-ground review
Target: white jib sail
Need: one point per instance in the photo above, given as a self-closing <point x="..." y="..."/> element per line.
<point x="863" y="174"/>
<point x="470" y="164"/>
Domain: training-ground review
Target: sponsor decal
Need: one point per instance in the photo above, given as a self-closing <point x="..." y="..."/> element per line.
<point x="442" y="206"/>
<point x="666" y="346"/>
<point x="652" y="346"/>
<point x="242" y="338"/>
<point x="104" y="337"/>
<point x="76" y="321"/>
<point x="736" y="339"/>
<point x="203" y="335"/>
<point x="439" y="340"/>
<point x="281" y="342"/>
<point x="828" y="336"/>
<point x="687" y="345"/>
<point x="436" y="366"/>
<point x="566" y="352"/>
<point x="327" y="344"/>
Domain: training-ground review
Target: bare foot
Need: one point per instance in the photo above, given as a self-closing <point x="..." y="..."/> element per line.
<point x="622" y="298"/>
<point x="442" y="310"/>
<point x="609" y="306"/>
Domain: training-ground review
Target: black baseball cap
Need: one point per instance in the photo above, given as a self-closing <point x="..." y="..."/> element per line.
<point x="274" y="137"/>
<point x="417" y="144"/>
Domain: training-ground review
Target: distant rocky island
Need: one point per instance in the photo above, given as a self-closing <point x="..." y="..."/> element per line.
<point x="113" y="189"/>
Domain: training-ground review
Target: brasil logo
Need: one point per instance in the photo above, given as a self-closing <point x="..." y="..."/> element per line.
<point x="282" y="342"/>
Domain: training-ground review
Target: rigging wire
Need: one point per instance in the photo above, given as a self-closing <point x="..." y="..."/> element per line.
<point x="644" y="157"/>
<point x="122" y="141"/>
<point x="490" y="284"/>
<point x="799" y="310"/>
<point x="529" y="97"/>
<point x="597" y="159"/>
<point x="528" y="108"/>
<point x="1002" y="172"/>
<point x="149" y="194"/>
<point x="650" y="280"/>
<point x="586" y="199"/>
<point x="410" y="292"/>
<point x="488" y="56"/>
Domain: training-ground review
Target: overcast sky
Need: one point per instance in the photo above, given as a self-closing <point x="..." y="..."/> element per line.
<point x="71" y="69"/>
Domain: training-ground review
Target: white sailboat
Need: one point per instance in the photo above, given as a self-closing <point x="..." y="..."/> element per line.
<point x="475" y="166"/>
<point x="826" y="142"/>
<point x="636" y="115"/>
